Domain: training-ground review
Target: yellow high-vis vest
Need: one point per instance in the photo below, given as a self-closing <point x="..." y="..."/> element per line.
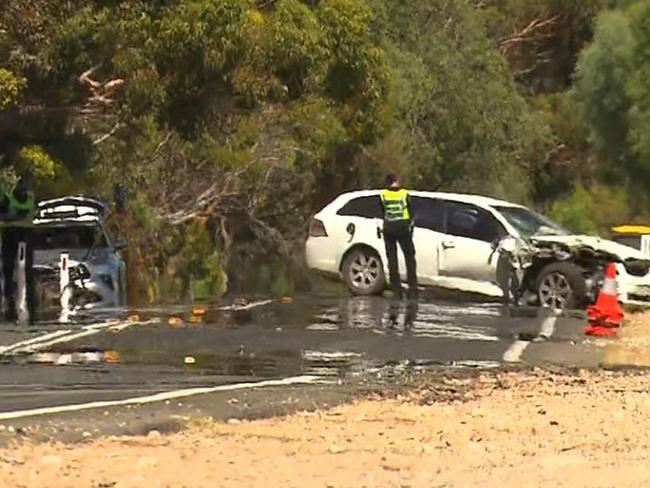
<point x="26" y="209"/>
<point x="395" y="205"/>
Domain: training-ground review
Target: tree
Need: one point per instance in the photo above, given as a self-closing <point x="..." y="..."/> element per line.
<point x="541" y="39"/>
<point x="611" y="86"/>
<point x="465" y="125"/>
<point x="230" y="121"/>
<point x="220" y="111"/>
<point x="601" y="84"/>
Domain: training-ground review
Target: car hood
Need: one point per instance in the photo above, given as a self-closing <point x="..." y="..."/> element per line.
<point x="603" y="245"/>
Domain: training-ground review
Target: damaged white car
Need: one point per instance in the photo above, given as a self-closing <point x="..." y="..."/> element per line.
<point x="461" y="243"/>
<point x="73" y="226"/>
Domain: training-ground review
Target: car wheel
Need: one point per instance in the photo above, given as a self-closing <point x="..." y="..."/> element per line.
<point x="363" y="272"/>
<point x="561" y="286"/>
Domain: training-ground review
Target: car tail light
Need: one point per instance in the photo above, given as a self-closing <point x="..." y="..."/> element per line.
<point x="317" y="228"/>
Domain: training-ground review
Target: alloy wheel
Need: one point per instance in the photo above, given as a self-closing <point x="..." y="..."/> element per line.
<point x="365" y="271"/>
<point x="555" y="291"/>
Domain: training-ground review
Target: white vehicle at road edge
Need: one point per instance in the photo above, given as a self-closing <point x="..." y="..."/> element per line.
<point x="74" y="225"/>
<point x="454" y="238"/>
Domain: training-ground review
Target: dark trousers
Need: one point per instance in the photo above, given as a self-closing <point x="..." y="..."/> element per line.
<point x="400" y="233"/>
<point x="11" y="238"/>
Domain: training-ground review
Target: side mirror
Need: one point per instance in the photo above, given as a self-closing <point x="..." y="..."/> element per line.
<point x="120" y="244"/>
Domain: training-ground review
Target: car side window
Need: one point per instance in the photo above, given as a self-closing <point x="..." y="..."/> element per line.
<point x="367" y="207"/>
<point x="428" y="213"/>
<point x="469" y="221"/>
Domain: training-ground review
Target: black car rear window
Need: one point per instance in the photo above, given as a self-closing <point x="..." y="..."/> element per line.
<point x="367" y="207"/>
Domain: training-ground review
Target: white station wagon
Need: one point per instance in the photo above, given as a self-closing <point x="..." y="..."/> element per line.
<point x="455" y="238"/>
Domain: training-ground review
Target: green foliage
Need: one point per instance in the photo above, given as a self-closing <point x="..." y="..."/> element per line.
<point x="37" y="162"/>
<point x="231" y="121"/>
<point x="11" y="87"/>
<point x="592" y="210"/>
<point x="273" y="277"/>
<point x="613" y="91"/>
<point x="601" y="84"/>
<point x="199" y="266"/>
<point x="542" y="38"/>
<point x="200" y="263"/>
<point x="468" y="128"/>
<point x="7" y="177"/>
<point x="571" y="159"/>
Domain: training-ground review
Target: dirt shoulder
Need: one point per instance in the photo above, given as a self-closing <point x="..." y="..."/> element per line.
<point x="509" y="429"/>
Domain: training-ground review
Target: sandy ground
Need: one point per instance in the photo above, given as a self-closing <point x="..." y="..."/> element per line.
<point x="532" y="428"/>
<point x="509" y="429"/>
<point x="632" y="347"/>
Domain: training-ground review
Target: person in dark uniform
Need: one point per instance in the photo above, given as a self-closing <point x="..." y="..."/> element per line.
<point x="17" y="209"/>
<point x="398" y="229"/>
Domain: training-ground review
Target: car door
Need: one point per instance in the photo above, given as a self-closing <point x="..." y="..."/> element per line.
<point x="366" y="215"/>
<point x="467" y="246"/>
<point x="358" y="221"/>
<point x="429" y="219"/>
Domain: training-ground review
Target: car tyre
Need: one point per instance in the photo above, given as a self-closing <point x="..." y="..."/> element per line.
<point x="363" y="272"/>
<point x="561" y="286"/>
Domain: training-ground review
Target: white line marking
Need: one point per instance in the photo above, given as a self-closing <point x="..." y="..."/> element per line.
<point x="159" y="397"/>
<point x="39" y="343"/>
<point x="49" y="335"/>
<point x="88" y="331"/>
<point x="59" y="340"/>
<point x="477" y="364"/>
<point x="311" y="355"/>
<point x="43" y="342"/>
<point x="245" y="307"/>
<point x="446" y="331"/>
<point x="514" y="352"/>
<point x="548" y="327"/>
<point x="182" y="309"/>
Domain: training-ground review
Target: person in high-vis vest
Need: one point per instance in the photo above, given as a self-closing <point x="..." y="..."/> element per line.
<point x="398" y="228"/>
<point x="17" y="208"/>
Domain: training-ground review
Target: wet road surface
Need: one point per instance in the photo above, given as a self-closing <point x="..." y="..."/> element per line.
<point x="347" y="339"/>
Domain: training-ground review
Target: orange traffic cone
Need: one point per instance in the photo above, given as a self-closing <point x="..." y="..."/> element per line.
<point x="606" y="315"/>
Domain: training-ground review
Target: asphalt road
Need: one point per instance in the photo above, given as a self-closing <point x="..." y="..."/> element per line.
<point x="347" y="339"/>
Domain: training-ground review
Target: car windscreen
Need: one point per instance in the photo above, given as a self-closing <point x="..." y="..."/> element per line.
<point x="68" y="237"/>
<point x="529" y="223"/>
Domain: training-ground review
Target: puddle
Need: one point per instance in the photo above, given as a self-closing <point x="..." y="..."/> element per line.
<point x="75" y="358"/>
<point x="329" y="336"/>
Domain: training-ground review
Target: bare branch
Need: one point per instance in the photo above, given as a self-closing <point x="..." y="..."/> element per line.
<point x="108" y="135"/>
<point x="227" y="242"/>
<point x="531" y="32"/>
<point x="102" y="92"/>
<point x="85" y="78"/>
